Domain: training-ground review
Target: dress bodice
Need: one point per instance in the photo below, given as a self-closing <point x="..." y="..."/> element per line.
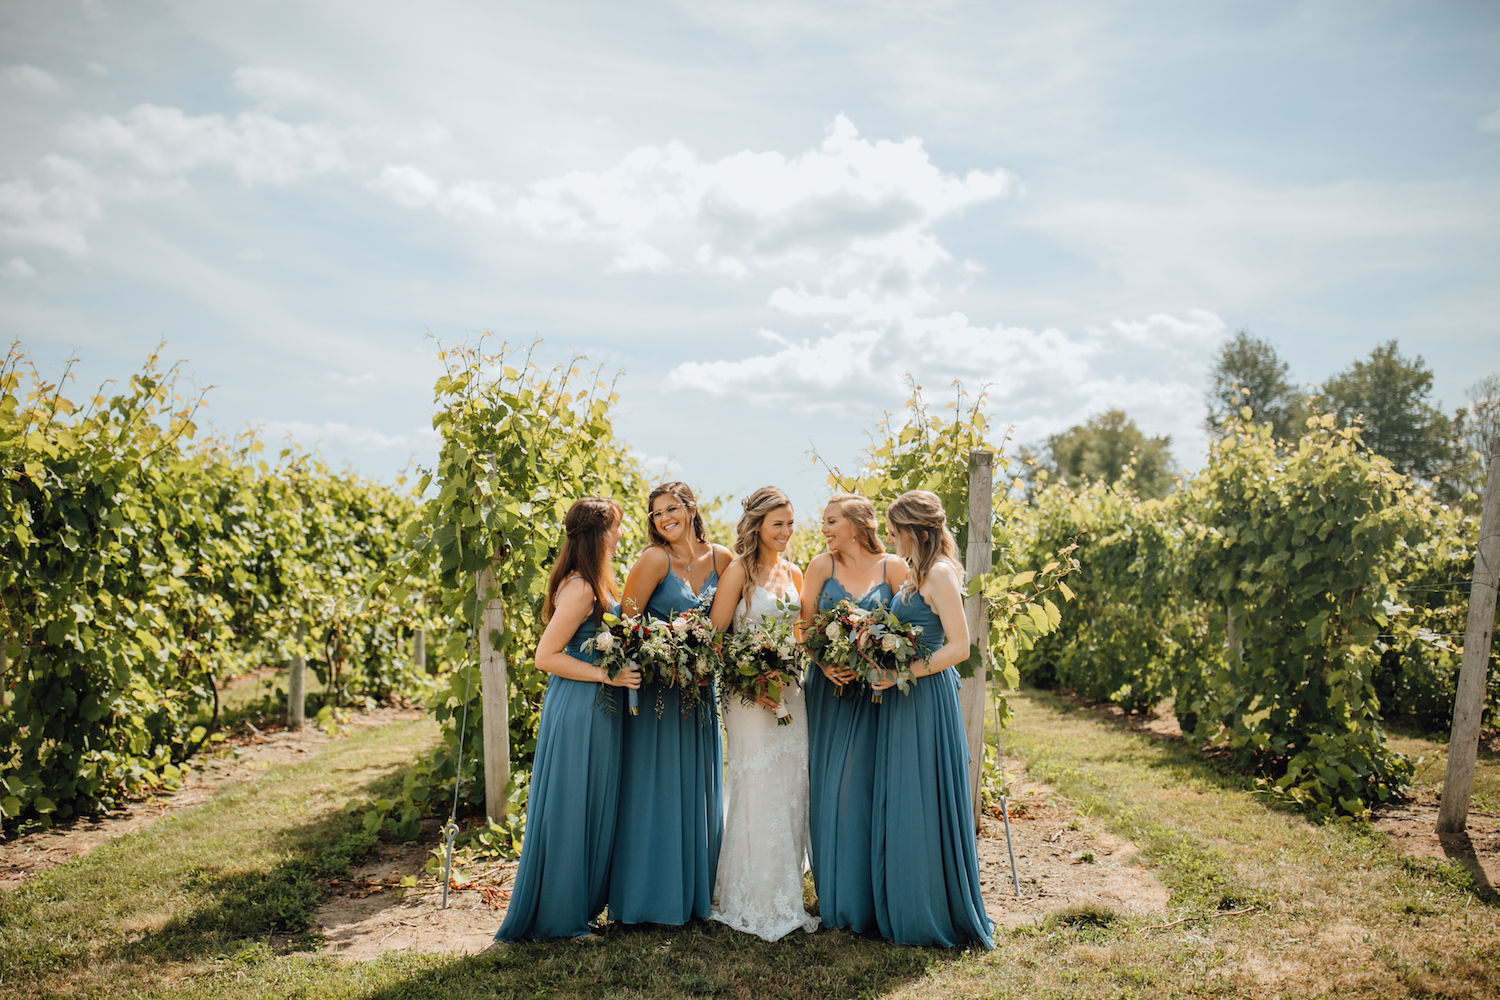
<point x="581" y="646"/>
<point x="833" y="591"/>
<point x="911" y="607"/>
<point x="674" y="595"/>
<point x="763" y="603"/>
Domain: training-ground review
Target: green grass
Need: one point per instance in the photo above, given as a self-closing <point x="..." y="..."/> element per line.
<point x="209" y="904"/>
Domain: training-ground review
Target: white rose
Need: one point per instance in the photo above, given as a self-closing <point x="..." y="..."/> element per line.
<point x="890" y="643"/>
<point x="833" y="631"/>
<point x="680" y="625"/>
<point x="604" y="642"/>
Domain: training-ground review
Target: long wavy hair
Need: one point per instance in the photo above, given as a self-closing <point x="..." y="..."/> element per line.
<point x="685" y="496"/>
<point x="919" y="514"/>
<point x="747" y="533"/>
<point x="859" y="512"/>
<point x="583" y="553"/>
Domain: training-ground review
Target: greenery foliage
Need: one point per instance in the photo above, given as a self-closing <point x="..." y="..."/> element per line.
<point x="1248" y="372"/>
<point x="1103" y="449"/>
<point x="138" y="564"/>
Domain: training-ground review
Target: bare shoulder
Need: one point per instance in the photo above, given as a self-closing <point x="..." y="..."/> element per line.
<point x="821" y="565"/>
<point x="795" y="571"/>
<point x="720" y="552"/>
<point x="654" y="560"/>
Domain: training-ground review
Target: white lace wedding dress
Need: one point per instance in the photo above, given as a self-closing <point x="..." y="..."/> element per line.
<point x="759" y="885"/>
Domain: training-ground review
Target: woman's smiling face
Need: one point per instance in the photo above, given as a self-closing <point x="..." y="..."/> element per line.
<point x="776" y="529"/>
<point x="672" y="517"/>
<point x="837" y="531"/>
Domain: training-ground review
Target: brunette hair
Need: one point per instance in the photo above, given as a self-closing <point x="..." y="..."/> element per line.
<point x="920" y="515"/>
<point x="860" y="512"/>
<point x="582" y="553"/>
<point x="747" y="533"/>
<point x="685" y="495"/>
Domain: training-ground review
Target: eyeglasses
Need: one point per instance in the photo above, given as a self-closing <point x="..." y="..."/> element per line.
<point x="672" y="511"/>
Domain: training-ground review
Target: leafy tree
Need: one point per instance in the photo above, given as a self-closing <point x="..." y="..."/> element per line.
<point x="1482" y="424"/>
<point x="1388" y="395"/>
<point x="1248" y="372"/>
<point x="1104" y="447"/>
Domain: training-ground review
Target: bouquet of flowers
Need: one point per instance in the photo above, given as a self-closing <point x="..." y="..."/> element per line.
<point x="633" y="641"/>
<point x="872" y="642"/>
<point x="886" y="646"/>
<point x="760" y="661"/>
<point x="695" y="655"/>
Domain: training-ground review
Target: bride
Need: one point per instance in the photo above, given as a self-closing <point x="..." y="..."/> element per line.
<point x="759" y="885"/>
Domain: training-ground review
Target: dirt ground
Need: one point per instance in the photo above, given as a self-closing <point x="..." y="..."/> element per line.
<point x="1062" y="862"/>
<point x="243" y="756"/>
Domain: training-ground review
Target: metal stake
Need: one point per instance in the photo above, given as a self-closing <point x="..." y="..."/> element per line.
<point x="1014" y="878"/>
<point x="450" y="832"/>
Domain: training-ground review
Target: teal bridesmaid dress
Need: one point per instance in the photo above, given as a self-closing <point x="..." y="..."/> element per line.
<point x="840" y="775"/>
<point x="925" y="866"/>
<point x="671" y="816"/>
<point x="562" y="882"/>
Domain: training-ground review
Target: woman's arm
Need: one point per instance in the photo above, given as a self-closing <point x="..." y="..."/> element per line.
<point x="573" y="606"/>
<point x="731" y="585"/>
<point x="643" y="579"/>
<point x="818" y="572"/>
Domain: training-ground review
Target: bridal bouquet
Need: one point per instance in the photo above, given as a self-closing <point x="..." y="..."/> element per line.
<point x="872" y="642"/>
<point x="760" y="661"/>
<point x="633" y="641"/>
<point x="695" y="655"/>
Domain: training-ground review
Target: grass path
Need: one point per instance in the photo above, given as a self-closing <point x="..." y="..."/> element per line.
<point x="192" y="906"/>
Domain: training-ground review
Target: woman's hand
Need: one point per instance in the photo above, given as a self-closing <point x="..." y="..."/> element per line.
<point x="887" y="680"/>
<point x="630" y="677"/>
<point x="767" y="702"/>
<point x="838" y="675"/>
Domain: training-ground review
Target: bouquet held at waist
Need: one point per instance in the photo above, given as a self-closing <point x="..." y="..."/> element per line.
<point x="761" y="659"/>
<point x="680" y="652"/>
<point x="872" y="642"/>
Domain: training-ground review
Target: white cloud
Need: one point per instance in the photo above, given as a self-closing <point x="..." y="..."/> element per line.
<point x="26" y="77"/>
<point x="1490" y="122"/>
<point x="859" y="214"/>
<point x="51" y="216"/>
<point x="17" y="267"/>
<point x="412" y="187"/>
<point x="257" y="147"/>
<point x="1045" y="380"/>
<point x="350" y="379"/>
<point x="274" y="89"/>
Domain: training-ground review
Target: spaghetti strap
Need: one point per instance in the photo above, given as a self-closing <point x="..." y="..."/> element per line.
<point x="885" y="572"/>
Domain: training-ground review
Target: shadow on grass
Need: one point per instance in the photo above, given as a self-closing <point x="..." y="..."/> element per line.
<point x="236" y="908"/>
<point x="703" y="959"/>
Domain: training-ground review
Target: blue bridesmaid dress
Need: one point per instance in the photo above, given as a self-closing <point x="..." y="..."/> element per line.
<point x="925" y="864"/>
<point x="671" y="792"/>
<point x="562" y="881"/>
<point x="840" y="774"/>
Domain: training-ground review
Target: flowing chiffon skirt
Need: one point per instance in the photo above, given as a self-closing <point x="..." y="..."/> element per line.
<point x="671" y="811"/>
<point x="562" y="880"/>
<point x="925" y="862"/>
<point x="841" y="774"/>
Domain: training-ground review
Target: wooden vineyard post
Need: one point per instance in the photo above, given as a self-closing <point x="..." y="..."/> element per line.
<point x="971" y="690"/>
<point x="1468" y="702"/>
<point x="495" y="697"/>
<point x="296" y="684"/>
<point x="419" y="650"/>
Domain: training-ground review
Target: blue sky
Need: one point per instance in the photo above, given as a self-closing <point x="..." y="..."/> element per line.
<point x="766" y="214"/>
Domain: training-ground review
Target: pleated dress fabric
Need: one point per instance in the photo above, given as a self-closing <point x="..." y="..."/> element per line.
<point x="840" y="772"/>
<point x="562" y="881"/>
<point x="671" y="792"/>
<point x="925" y="866"/>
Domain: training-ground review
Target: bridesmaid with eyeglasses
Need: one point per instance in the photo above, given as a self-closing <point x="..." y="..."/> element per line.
<point x="671" y="812"/>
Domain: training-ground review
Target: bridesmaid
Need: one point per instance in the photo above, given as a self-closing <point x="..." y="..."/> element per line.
<point x="841" y="730"/>
<point x="563" y="878"/>
<point x="925" y="865"/>
<point x="672" y="782"/>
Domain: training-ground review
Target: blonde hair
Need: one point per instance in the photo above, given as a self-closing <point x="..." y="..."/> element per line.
<point x="860" y="513"/>
<point x="919" y="514"/>
<point x="747" y="533"/>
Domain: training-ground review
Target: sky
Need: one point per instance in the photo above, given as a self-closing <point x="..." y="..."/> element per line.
<point x="767" y="217"/>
